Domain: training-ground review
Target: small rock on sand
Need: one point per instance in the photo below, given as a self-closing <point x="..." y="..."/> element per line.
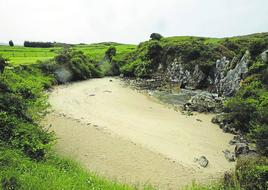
<point x="202" y="161"/>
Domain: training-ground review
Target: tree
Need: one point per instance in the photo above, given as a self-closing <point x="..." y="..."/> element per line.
<point x="156" y="36"/>
<point x="11" y="43"/>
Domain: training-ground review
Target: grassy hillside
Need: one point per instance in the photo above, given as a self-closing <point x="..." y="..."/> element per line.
<point x="144" y="61"/>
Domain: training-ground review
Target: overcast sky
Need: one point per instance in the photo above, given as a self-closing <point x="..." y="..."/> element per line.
<point x="129" y="21"/>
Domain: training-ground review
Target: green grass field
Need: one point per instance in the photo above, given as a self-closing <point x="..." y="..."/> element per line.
<point x="97" y="51"/>
<point x="20" y="55"/>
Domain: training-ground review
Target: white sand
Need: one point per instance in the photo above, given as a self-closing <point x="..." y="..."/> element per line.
<point x="164" y="142"/>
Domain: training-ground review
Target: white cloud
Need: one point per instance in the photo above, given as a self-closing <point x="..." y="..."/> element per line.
<point x="129" y="21"/>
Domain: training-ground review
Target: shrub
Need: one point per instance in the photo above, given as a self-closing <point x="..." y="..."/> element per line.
<point x="252" y="173"/>
<point x="260" y="135"/>
<point x="156" y="36"/>
<point x="22" y="104"/>
<point x="240" y="113"/>
<point x="11" y="44"/>
<point x="256" y="47"/>
<point x="79" y="65"/>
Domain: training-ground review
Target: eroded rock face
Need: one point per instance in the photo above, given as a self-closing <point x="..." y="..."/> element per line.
<point x="177" y="73"/>
<point x="224" y="80"/>
<point x="227" y="81"/>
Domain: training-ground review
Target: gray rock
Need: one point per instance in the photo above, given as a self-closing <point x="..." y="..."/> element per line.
<point x="178" y="74"/>
<point x="237" y="140"/>
<point x="241" y="149"/>
<point x="197" y="78"/>
<point x="230" y="156"/>
<point x="227" y="81"/>
<point x="219" y="118"/>
<point x="203" y="161"/>
<point x="205" y="102"/>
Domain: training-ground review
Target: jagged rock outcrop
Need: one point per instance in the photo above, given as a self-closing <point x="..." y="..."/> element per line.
<point x="177" y="74"/>
<point x="224" y="79"/>
<point x="227" y="81"/>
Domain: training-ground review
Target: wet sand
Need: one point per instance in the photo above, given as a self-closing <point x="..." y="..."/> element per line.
<point x="122" y="134"/>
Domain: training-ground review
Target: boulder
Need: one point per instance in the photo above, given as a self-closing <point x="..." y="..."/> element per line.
<point x="204" y="102"/>
<point x="203" y="161"/>
<point x="218" y="119"/>
<point x="230" y="156"/>
<point x="241" y="149"/>
<point x="237" y="140"/>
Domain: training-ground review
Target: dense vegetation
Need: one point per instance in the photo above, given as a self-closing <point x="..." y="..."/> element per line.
<point x="71" y="65"/>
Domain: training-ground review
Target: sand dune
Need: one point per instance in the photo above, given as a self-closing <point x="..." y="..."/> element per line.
<point x="123" y="134"/>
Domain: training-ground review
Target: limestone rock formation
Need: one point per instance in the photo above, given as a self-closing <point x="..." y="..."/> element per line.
<point x="228" y="84"/>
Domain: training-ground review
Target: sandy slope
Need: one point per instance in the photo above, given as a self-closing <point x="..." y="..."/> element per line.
<point x="102" y="118"/>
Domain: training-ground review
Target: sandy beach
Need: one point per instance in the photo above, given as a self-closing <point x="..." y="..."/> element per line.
<point x="125" y="135"/>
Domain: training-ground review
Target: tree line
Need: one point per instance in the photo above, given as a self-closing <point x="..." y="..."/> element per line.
<point x="38" y="44"/>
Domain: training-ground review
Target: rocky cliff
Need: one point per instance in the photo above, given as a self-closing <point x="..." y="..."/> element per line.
<point x="222" y="79"/>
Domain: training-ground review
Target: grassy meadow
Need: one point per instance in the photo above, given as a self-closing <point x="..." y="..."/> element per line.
<point x="19" y="55"/>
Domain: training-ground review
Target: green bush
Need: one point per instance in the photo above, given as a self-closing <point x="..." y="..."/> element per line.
<point x="22" y="104"/>
<point x="156" y="36"/>
<point x="252" y="173"/>
<point x="81" y="66"/>
<point x="260" y="135"/>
